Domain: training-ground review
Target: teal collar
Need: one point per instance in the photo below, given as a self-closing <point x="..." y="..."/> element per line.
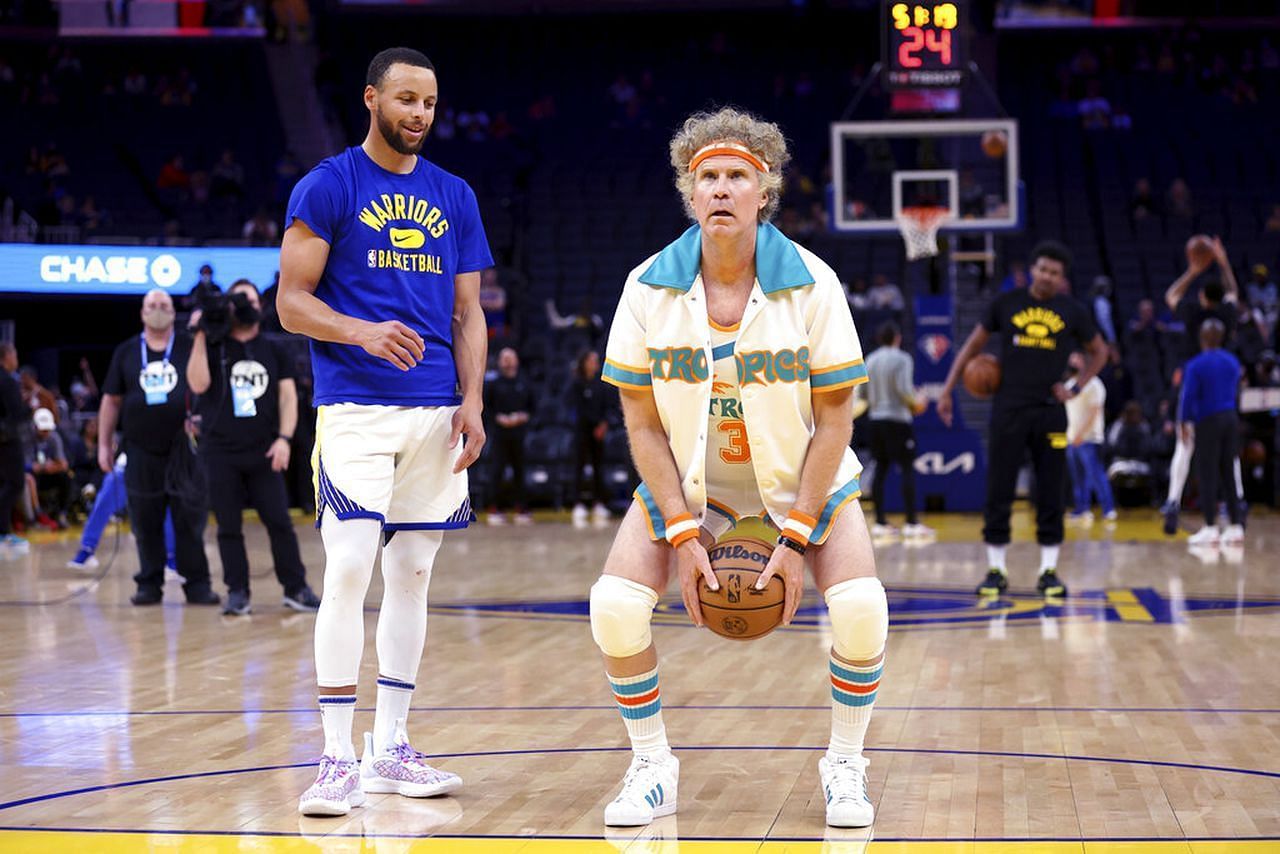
<point x="778" y="264"/>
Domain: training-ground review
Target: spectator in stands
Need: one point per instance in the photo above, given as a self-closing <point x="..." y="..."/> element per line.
<point x="592" y="398"/>
<point x="47" y="460"/>
<point x="145" y="391"/>
<point x="1142" y="354"/>
<point x="509" y="400"/>
<point x="204" y="286"/>
<point x="1177" y="200"/>
<point x="288" y="171"/>
<point x="1094" y="108"/>
<point x="1085" y="424"/>
<point x="14" y="414"/>
<point x="1142" y="203"/>
<point x="1100" y="303"/>
<point x="261" y="229"/>
<point x="1251" y="332"/>
<point x="83" y="457"/>
<point x="36" y="395"/>
<point x="84" y="390"/>
<point x="227" y="177"/>
<point x="1130" y="435"/>
<point x="173" y="176"/>
<point x="857" y="295"/>
<point x="493" y="300"/>
<point x="885" y="295"/>
<point x="135" y="82"/>
<point x="582" y="328"/>
<point x="1016" y="278"/>
<point x="248" y="409"/>
<point x="1263" y="295"/>
<point x="1272" y="224"/>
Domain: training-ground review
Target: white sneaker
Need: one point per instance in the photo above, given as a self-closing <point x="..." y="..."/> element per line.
<point x="1206" y="536"/>
<point x="1110" y="517"/>
<point x="83" y="561"/>
<point x="497" y="520"/>
<point x="1233" y="535"/>
<point x="580" y="515"/>
<point x="883" y="532"/>
<point x="401" y="770"/>
<point x="918" y="532"/>
<point x="844" y="785"/>
<point x="1084" y="519"/>
<point x="523" y="519"/>
<point x="648" y="791"/>
<point x="336" y="789"/>
<point x="600" y="513"/>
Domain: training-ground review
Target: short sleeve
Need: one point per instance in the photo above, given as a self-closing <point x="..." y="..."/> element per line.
<point x="114" y="383"/>
<point x="473" y="245"/>
<point x="284" y="361"/>
<point x="317" y="200"/>
<point x="835" y="354"/>
<point x="1086" y="329"/>
<point x="991" y="316"/>
<point x="626" y="362"/>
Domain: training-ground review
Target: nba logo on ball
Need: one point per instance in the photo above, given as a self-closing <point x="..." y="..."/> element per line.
<point x="935" y="347"/>
<point x="737" y="610"/>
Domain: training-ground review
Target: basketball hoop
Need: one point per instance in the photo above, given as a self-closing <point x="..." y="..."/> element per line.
<point x="919" y="226"/>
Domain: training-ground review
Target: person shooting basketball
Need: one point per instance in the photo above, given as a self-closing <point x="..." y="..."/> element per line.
<point x="1039" y="327"/>
<point x="736" y="356"/>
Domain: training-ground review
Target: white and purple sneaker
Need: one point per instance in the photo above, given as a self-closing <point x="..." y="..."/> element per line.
<point x="336" y="789"/>
<point x="403" y="771"/>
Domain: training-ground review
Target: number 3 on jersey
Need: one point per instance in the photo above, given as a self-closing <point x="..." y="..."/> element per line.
<point x="738" y="451"/>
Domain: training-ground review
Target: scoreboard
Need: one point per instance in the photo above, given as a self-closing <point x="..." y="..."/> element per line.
<point x="924" y="44"/>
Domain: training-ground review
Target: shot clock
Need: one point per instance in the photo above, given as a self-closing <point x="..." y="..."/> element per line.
<point x="924" y="44"/>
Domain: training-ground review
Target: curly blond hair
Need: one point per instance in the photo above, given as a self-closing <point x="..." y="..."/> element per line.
<point x="765" y="140"/>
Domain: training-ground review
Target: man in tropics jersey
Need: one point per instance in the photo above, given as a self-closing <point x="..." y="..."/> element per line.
<point x="380" y="268"/>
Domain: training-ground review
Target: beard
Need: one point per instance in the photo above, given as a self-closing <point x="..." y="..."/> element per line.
<point x="398" y="143"/>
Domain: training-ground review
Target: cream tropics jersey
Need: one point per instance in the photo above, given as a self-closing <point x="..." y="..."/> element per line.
<point x="796" y="339"/>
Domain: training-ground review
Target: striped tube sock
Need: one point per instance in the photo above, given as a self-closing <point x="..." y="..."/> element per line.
<point x="337" y="712"/>
<point x="853" y="694"/>
<point x="641" y="707"/>
<point x="393" y="705"/>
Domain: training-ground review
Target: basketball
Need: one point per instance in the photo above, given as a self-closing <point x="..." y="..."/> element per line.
<point x="1199" y="250"/>
<point x="982" y="376"/>
<point x="1254" y="453"/>
<point x="737" y="610"/>
<point x="994" y="144"/>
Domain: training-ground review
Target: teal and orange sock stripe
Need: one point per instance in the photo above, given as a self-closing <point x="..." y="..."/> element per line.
<point x="637" y="696"/>
<point x="852" y="685"/>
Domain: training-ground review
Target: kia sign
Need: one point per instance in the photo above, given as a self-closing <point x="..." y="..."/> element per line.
<point x="53" y="269"/>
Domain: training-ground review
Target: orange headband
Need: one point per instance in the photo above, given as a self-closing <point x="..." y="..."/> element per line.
<point x="730" y="148"/>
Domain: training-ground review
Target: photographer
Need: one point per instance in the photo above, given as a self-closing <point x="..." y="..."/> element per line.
<point x="145" y="391"/>
<point x="248" y="411"/>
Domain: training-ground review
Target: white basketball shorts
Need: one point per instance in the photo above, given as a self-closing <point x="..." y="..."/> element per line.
<point x="390" y="463"/>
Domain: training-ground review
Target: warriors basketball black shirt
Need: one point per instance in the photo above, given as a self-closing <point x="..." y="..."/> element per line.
<point x="1037" y="336"/>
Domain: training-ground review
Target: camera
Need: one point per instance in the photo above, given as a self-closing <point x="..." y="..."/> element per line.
<point x="219" y="310"/>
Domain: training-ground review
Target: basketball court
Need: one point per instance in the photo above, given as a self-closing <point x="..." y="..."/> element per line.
<point x="1141" y="715"/>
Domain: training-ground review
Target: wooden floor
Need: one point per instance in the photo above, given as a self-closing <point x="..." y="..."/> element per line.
<point x="1146" y="709"/>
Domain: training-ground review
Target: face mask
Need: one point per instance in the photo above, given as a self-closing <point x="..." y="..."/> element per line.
<point x="158" y="319"/>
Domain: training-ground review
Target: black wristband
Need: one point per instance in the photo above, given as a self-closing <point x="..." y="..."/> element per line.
<point x="793" y="545"/>
<point x="283" y="436"/>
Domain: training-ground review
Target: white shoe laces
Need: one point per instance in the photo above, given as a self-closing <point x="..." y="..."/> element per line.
<point x="848" y="780"/>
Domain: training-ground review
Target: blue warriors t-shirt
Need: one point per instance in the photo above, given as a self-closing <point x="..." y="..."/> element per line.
<point x="395" y="244"/>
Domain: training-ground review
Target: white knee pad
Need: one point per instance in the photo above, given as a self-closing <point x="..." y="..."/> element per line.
<point x="620" y="614"/>
<point x="859" y="614"/>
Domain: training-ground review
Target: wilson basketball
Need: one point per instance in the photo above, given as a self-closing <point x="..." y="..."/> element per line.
<point x="1199" y="249"/>
<point x="737" y="610"/>
<point x="982" y="376"/>
<point x="994" y="144"/>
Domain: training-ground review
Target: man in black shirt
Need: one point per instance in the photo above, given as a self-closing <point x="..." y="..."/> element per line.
<point x="1039" y="328"/>
<point x="510" y="401"/>
<point x="145" y="391"/>
<point x="13" y="417"/>
<point x="248" y="410"/>
<point x="1216" y="299"/>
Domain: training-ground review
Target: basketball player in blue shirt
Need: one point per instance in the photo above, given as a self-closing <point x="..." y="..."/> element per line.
<point x="380" y="268"/>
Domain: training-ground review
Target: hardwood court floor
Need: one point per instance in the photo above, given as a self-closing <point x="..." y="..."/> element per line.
<point x="1145" y="709"/>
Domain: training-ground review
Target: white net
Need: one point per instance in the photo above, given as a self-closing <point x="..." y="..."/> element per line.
<point x="919" y="227"/>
